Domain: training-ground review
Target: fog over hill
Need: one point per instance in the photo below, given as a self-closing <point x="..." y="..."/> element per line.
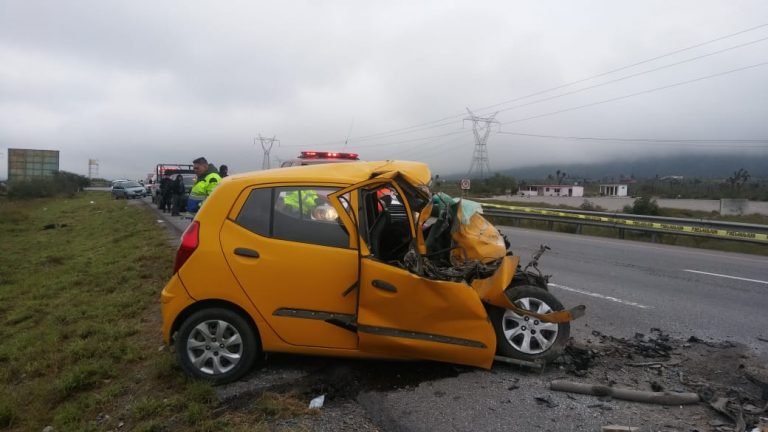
<point x="702" y="166"/>
<point x="688" y="166"/>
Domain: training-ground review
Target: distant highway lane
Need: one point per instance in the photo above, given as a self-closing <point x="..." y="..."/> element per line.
<point x="631" y="287"/>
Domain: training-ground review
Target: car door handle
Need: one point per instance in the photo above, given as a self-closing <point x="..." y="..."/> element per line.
<point x="250" y="253"/>
<point x="386" y="286"/>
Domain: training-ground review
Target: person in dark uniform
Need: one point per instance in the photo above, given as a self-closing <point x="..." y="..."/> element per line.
<point x="223" y="171"/>
<point x="177" y="193"/>
<point x="165" y="193"/>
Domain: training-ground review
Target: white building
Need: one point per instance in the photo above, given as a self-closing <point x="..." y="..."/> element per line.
<point x="552" y="190"/>
<point x="613" y="190"/>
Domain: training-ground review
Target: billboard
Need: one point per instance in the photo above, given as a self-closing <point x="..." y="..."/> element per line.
<point x="26" y="164"/>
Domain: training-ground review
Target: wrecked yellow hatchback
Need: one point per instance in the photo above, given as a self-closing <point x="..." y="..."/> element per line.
<point x="351" y="260"/>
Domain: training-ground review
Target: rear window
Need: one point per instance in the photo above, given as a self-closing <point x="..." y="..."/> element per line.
<point x="301" y="214"/>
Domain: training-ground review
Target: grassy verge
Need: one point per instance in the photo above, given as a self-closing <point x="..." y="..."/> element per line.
<point x="81" y="347"/>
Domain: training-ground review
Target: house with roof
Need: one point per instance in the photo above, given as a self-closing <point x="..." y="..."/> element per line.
<point x="614" y="190"/>
<point x="552" y="190"/>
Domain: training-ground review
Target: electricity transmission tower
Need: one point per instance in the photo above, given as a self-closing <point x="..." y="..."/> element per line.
<point x="480" y="166"/>
<point x="93" y="168"/>
<point x="266" y="145"/>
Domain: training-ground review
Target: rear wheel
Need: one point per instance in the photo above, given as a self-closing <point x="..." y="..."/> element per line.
<point x="216" y="345"/>
<point x="525" y="337"/>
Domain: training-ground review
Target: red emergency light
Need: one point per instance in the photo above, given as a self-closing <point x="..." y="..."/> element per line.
<point x="328" y="155"/>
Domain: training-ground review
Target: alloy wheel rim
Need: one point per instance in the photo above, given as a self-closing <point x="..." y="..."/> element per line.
<point x="214" y="347"/>
<point x="529" y="335"/>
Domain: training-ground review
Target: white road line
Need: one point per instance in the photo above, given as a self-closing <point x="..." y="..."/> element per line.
<point x="600" y="296"/>
<point x="727" y="276"/>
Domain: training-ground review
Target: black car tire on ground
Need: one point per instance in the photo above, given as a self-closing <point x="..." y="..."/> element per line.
<point x="204" y="336"/>
<point x="512" y="330"/>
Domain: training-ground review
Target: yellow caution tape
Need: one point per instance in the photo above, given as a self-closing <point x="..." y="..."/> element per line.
<point x="643" y="224"/>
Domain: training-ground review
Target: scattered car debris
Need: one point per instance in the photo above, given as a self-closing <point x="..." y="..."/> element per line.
<point x="317" y="402"/>
<point x="692" y="367"/>
<point x="545" y="400"/>
<point x="661" y="398"/>
<point x="723" y="344"/>
<point x="615" y="428"/>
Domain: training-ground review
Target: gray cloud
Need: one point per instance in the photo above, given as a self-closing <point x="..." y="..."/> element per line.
<point x="134" y="83"/>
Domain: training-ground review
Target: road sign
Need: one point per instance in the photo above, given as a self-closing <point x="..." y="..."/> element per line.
<point x="465" y="184"/>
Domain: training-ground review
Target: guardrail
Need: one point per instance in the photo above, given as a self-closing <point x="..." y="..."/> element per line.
<point x="751" y="233"/>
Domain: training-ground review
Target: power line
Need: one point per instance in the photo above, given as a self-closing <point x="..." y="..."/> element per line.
<point x="633" y="75"/>
<point x="637" y="93"/>
<point x="653" y="140"/>
<point x="671" y="53"/>
<point x="705" y="143"/>
<point x="387" y="143"/>
<point x="408" y="129"/>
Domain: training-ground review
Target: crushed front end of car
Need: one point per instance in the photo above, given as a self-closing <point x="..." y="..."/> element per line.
<point x="456" y="243"/>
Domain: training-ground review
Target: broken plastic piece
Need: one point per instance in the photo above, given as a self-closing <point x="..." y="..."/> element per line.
<point x="317" y="402"/>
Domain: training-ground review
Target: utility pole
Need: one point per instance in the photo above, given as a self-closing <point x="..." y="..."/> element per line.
<point x="266" y="145"/>
<point x="93" y="168"/>
<point x="480" y="166"/>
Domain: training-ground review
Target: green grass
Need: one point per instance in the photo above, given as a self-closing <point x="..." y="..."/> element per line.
<point x="80" y="324"/>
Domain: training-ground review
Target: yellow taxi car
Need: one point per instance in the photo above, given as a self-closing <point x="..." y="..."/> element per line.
<point x="350" y="260"/>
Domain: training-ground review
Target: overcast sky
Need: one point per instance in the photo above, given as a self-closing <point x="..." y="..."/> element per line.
<point x="135" y="83"/>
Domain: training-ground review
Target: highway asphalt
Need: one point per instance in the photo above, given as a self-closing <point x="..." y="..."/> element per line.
<point x="631" y="287"/>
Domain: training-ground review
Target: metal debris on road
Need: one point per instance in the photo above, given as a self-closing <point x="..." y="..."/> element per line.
<point x="661" y="398"/>
<point x="317" y="402"/>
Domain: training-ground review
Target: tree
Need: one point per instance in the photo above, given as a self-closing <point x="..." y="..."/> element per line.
<point x="560" y="175"/>
<point x="739" y="178"/>
<point x="498" y="184"/>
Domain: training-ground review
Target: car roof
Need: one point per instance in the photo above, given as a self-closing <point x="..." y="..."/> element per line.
<point x="341" y="173"/>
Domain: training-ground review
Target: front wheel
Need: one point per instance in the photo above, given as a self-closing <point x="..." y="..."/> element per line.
<point x="217" y="345"/>
<point x="525" y="337"/>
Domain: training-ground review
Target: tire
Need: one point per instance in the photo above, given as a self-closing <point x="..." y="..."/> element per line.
<point x="204" y="357"/>
<point x="525" y="338"/>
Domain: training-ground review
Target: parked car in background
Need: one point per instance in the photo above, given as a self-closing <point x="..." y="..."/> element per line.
<point x="127" y="189"/>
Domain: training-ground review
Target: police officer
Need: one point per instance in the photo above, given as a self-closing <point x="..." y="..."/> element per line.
<point x="307" y="203"/>
<point x="207" y="179"/>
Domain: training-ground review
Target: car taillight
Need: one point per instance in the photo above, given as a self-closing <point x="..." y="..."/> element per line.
<point x="189" y="241"/>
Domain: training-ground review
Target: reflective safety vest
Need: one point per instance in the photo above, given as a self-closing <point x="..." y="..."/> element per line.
<point x="308" y="200"/>
<point x="201" y="190"/>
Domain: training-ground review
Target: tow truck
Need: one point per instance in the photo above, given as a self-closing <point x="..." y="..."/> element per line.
<point x="160" y="171"/>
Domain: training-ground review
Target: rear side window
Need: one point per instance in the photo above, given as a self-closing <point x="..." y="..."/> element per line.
<point x="256" y="212"/>
<point x="304" y="214"/>
<point x="301" y="214"/>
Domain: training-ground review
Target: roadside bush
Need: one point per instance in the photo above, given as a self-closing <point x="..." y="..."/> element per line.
<point x="590" y="206"/>
<point x="61" y="183"/>
<point x="644" y="205"/>
<point x="7" y="416"/>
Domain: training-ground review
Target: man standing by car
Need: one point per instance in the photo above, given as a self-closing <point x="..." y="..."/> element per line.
<point x="207" y="179"/>
<point x="165" y="193"/>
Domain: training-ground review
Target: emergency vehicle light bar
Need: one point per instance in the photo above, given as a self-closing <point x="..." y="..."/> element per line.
<point x="327" y="155"/>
